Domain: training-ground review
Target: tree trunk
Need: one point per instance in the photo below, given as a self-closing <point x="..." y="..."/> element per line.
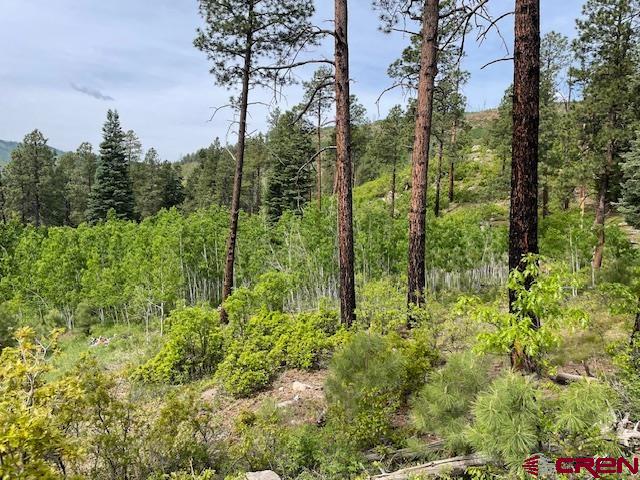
<point x="523" y="221"/>
<point x="451" y="467"/>
<point x="436" y="206"/>
<point x="420" y="154"/>
<point x="601" y="209"/>
<point x="344" y="167"/>
<point x="237" y="180"/>
<point x="319" y="160"/>
<point x="393" y="189"/>
<point x="454" y="151"/>
<point x="545" y="200"/>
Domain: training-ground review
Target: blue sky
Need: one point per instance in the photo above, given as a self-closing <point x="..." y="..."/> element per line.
<point x="65" y="62"/>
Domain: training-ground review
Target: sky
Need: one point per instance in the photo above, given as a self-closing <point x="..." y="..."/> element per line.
<point x="64" y="63"/>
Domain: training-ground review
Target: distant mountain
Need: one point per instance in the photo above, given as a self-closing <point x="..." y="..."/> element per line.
<point x="6" y="147"/>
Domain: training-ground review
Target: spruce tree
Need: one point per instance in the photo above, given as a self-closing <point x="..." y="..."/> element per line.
<point x="112" y="186"/>
<point x="290" y="180"/>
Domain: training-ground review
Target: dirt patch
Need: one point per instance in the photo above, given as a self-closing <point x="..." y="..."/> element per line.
<point x="299" y="393"/>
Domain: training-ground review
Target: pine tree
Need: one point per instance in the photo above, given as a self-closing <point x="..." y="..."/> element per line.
<point x="172" y="187"/>
<point x="132" y="147"/>
<point x="606" y="47"/>
<point x="523" y="216"/>
<point x="501" y="129"/>
<point x="31" y="182"/>
<point x="630" y="201"/>
<point x="290" y="180"/>
<point x="77" y="171"/>
<point x="250" y="42"/>
<point x="555" y="57"/>
<point x="112" y="186"/>
<point x="147" y="185"/>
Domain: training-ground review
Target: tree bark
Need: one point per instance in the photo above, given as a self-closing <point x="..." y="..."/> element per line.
<point x="420" y="154"/>
<point x="454" y="150"/>
<point x="603" y="206"/>
<point x="344" y="167"/>
<point x="436" y="205"/>
<point x="319" y="159"/>
<point x="545" y="200"/>
<point x="393" y="189"/>
<point x="523" y="221"/>
<point x="237" y="179"/>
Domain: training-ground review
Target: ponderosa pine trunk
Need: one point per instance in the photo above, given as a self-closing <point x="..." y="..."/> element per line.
<point x="227" y="285"/>
<point x="344" y="167"/>
<point x="602" y="207"/>
<point x="319" y="159"/>
<point x="436" y="206"/>
<point x="523" y="218"/>
<point x="420" y="154"/>
<point x="393" y="188"/>
<point x="454" y="138"/>
<point x="545" y="200"/>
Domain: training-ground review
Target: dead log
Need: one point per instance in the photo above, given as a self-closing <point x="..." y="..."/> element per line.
<point x="454" y="466"/>
<point x="406" y="454"/>
<point x="627" y="436"/>
<point x="563" y="378"/>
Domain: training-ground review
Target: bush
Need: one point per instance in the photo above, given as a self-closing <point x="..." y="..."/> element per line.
<point x="443" y="406"/>
<point x="508" y="419"/>
<point x="364" y="388"/>
<point x="193" y="348"/>
<point x="271" y="341"/>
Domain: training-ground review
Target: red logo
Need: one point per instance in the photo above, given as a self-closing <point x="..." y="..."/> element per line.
<point x="540" y="466"/>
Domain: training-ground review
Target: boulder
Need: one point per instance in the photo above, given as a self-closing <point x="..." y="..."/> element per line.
<point x="263" y="475"/>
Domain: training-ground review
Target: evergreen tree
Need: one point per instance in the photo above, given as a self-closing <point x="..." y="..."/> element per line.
<point x="172" y="187"/>
<point x="290" y="181"/>
<point x="630" y="201"/>
<point x="132" y="147"/>
<point x="555" y="57"/>
<point x="211" y="181"/>
<point x="250" y="43"/>
<point x="77" y="171"/>
<point x="147" y="184"/>
<point x="112" y="187"/>
<point x="606" y="47"/>
<point x="501" y="131"/>
<point x="31" y="182"/>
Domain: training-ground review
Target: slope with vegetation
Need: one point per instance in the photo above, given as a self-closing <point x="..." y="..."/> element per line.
<point x="126" y="354"/>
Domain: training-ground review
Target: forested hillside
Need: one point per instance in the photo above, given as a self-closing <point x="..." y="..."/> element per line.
<point x="436" y="293"/>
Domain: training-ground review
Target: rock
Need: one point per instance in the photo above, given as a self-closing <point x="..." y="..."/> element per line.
<point x="263" y="475"/>
<point x="288" y="403"/>
<point x="300" y="387"/>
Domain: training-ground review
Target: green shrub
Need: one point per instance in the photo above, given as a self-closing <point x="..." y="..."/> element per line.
<point x="267" y="441"/>
<point x="443" y="405"/>
<point x="271" y="341"/>
<point x="365" y="386"/>
<point x="508" y="419"/>
<point x="193" y="348"/>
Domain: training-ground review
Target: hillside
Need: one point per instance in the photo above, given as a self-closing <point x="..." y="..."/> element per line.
<point x="6" y="147"/>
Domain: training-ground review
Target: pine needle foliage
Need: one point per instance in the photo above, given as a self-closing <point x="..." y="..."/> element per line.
<point x="365" y="386"/>
<point x="443" y="406"/>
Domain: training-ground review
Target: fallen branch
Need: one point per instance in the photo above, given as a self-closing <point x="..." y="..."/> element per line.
<point x="406" y="454"/>
<point x="625" y="435"/>
<point x="562" y="378"/>
<point x="454" y="466"/>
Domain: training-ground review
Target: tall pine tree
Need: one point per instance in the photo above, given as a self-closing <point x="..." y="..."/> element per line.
<point x="112" y="187"/>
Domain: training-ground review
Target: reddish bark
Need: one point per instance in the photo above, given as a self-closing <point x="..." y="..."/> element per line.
<point x="603" y="206"/>
<point x="344" y="167"/>
<point x="523" y="221"/>
<point x="237" y="180"/>
<point x="420" y="154"/>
